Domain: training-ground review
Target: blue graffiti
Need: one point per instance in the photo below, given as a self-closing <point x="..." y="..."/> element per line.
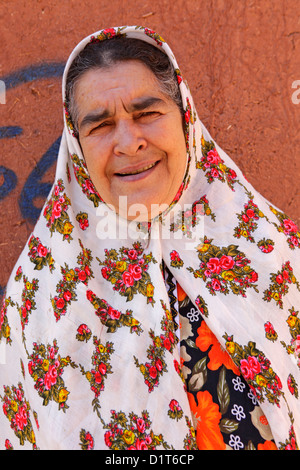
<point x="32" y="73"/>
<point x="33" y="186"/>
<point x="7" y="132"/>
<point x="9" y="181"/>
<point x="12" y="80"/>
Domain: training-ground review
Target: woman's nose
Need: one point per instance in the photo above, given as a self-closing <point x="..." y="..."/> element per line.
<point x="128" y="138"/>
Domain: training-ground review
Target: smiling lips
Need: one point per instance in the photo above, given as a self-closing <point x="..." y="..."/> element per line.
<point x="138" y="171"/>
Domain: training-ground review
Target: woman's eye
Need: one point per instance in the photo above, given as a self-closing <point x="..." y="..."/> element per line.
<point x="100" y="126"/>
<point x="149" y="114"/>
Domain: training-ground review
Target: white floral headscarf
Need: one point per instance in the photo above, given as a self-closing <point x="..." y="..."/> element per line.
<point x="88" y="350"/>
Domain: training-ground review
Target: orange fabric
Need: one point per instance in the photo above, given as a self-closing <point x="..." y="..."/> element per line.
<point x="206" y="422"/>
<point x="218" y="356"/>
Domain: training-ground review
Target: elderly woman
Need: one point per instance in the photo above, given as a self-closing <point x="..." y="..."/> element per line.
<point x="156" y="304"/>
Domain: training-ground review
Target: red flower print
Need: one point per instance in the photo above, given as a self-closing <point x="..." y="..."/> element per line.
<point x="174" y="256"/>
<point x="102" y="368"/>
<point x="132" y="254"/>
<point x="226" y="262"/>
<point x="174" y="405"/>
<point x="141" y="425"/>
<point x="8" y="445"/>
<point x="158" y="364"/>
<point x="60" y="303"/>
<point x="153" y="372"/>
<point x="113" y="313"/>
<point x="109" y="31"/>
<point x="82" y="329"/>
<point x="105" y="272"/>
<point x="108" y="438"/>
<point x="214" y="265"/>
<point x="250" y="213"/>
<point x="82" y="275"/>
<point x="84" y="223"/>
<point x="167" y="343"/>
<point x="67" y="295"/>
<point x="98" y="377"/>
<point x="42" y="250"/>
<point x="187" y="116"/>
<point x="135" y="271"/>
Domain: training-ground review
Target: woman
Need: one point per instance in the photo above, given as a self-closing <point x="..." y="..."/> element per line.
<point x="156" y="304"/>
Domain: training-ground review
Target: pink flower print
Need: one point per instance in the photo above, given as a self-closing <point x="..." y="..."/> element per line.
<point x="216" y="285"/>
<point x="135" y="271"/>
<point x="214" y="265"/>
<point x="215" y="173"/>
<point x="21" y="418"/>
<point x="140" y="424"/>
<point x="250" y="368"/>
<point x="50" y="377"/>
<point x="56" y="210"/>
<point x="289" y="226"/>
<point x="141" y="444"/>
<point x="88" y="186"/>
<point x="213" y="157"/>
<point x="294" y="240"/>
<point x="128" y="279"/>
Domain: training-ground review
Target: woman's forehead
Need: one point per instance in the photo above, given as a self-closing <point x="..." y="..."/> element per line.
<point x="131" y="82"/>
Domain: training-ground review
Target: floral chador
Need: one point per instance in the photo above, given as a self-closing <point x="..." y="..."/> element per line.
<point x="92" y="356"/>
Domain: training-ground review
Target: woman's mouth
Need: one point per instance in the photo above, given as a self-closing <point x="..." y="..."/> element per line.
<point x="133" y="175"/>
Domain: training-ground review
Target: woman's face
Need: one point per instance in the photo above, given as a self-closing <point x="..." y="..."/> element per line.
<point x="132" y="138"/>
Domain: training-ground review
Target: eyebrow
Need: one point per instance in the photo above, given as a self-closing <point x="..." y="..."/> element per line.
<point x="137" y="105"/>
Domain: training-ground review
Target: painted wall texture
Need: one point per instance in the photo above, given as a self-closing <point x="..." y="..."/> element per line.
<point x="241" y="59"/>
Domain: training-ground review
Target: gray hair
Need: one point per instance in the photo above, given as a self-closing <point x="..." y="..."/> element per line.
<point x="104" y="54"/>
